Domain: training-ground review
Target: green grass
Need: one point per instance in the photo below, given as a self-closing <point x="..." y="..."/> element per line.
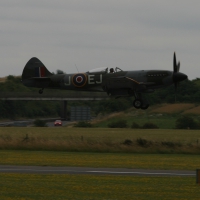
<point x="163" y="115"/>
<point x="84" y="187"/>
<point x="38" y="186"/>
<point x="163" y="122"/>
<point x="101" y="134"/>
<point x="100" y="140"/>
<point x="110" y="160"/>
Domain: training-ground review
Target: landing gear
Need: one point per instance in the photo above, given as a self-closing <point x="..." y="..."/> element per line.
<point x="137" y="103"/>
<point x="41" y="91"/>
<point x="140" y="102"/>
<point x="144" y="107"/>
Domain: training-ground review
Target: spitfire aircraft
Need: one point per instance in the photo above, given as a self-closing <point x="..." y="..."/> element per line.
<point x="115" y="82"/>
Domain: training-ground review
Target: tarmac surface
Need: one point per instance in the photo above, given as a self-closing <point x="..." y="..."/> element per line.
<point x="93" y="171"/>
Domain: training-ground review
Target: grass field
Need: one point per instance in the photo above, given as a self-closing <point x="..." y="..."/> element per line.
<point x="98" y="147"/>
<point x="84" y="187"/>
<point x="164" y="122"/>
<point x="195" y="110"/>
<point x="100" y="140"/>
<point x="109" y="160"/>
<point x="173" y="108"/>
<point x="163" y="115"/>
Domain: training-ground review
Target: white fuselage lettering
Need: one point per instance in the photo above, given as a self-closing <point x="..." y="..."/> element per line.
<point x="100" y="79"/>
<point x="91" y="80"/>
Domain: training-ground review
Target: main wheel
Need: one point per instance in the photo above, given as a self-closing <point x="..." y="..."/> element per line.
<point x="144" y="107"/>
<point x="137" y="103"/>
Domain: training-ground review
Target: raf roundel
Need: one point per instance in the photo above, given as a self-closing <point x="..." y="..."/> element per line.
<point x="79" y="80"/>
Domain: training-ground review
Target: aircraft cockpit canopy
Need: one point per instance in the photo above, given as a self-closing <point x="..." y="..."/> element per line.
<point x="101" y="70"/>
<point x="117" y="69"/>
<point x="104" y="70"/>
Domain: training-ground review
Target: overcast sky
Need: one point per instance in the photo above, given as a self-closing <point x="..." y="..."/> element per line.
<point x="130" y="34"/>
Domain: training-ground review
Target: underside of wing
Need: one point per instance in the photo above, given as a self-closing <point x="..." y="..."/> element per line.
<point x="123" y="82"/>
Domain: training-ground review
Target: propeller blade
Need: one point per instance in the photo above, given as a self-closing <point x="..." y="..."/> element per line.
<point x="174" y="64"/>
<point x="178" y="66"/>
<point x="176" y="69"/>
<point x="177" y="76"/>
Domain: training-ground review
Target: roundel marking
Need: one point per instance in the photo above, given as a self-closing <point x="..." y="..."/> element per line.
<point x="79" y="80"/>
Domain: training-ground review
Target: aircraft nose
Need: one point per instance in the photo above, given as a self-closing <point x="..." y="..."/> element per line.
<point x="177" y="77"/>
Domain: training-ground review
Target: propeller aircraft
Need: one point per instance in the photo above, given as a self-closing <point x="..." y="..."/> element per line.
<point x="115" y="82"/>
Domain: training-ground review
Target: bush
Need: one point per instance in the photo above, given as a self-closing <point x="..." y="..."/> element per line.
<point x="127" y="142"/>
<point x="142" y="142"/>
<point x="149" y="125"/>
<point x="118" y="124"/>
<point x="186" y="122"/>
<point x="135" y="125"/>
<point x="83" y="124"/>
<point x="171" y="144"/>
<point x="39" y="123"/>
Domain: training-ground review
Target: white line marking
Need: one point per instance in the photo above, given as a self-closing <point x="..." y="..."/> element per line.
<point x="145" y="173"/>
<point x="100" y="172"/>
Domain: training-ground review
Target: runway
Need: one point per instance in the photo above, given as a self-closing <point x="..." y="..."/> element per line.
<point x="93" y="171"/>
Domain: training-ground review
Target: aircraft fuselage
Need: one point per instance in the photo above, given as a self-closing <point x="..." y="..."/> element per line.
<point x="94" y="82"/>
<point x="116" y="83"/>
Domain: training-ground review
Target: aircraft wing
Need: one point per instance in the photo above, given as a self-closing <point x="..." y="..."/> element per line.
<point x="123" y="82"/>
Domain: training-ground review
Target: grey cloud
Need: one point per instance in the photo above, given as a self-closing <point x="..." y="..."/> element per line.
<point x="129" y="34"/>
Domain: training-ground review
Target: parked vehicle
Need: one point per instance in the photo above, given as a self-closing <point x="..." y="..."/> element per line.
<point x="58" y="123"/>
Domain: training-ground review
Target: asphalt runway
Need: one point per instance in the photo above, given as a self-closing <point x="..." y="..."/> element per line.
<point x="93" y="171"/>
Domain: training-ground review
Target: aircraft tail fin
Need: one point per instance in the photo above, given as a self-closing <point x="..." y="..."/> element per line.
<point x="35" y="74"/>
<point x="35" y="69"/>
